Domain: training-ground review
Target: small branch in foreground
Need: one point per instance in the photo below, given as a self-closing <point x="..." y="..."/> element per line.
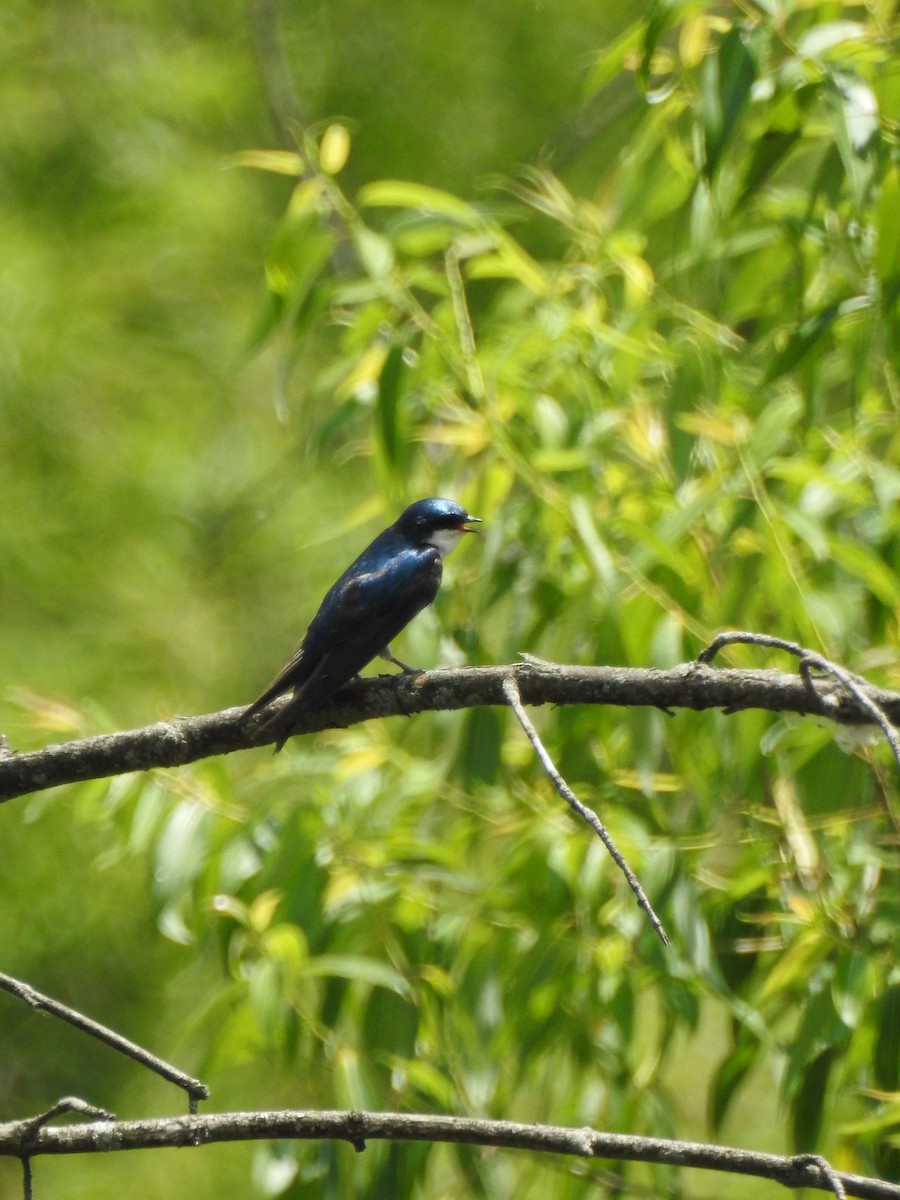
<point x="67" y="1104"/>
<point x="858" y="688"/>
<point x="829" y="1174"/>
<point x="801" y="1171"/>
<point x="196" y="1090"/>
<point x="694" y="685"/>
<point x="511" y="691"/>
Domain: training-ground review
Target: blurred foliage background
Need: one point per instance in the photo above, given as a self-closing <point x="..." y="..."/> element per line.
<point x="624" y="282"/>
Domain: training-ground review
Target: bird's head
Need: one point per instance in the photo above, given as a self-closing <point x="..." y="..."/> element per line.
<point x="435" y="522"/>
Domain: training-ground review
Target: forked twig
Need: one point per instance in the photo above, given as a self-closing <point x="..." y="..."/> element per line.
<point x="511" y="691"/>
<point x="33" y="1125"/>
<point x="826" y="1170"/>
<point x="809" y="662"/>
<point x="196" y="1090"/>
<point x="68" y="1104"/>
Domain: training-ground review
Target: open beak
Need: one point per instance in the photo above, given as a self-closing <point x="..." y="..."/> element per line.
<point x="464" y="525"/>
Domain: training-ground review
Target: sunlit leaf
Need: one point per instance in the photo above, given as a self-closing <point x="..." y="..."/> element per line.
<point x="375" y="251"/>
<point x="359" y="968"/>
<point x="403" y="194"/>
<point x="334" y="148"/>
<point x="825" y="37"/>
<point x="858" y="560"/>
<point x="282" y="162"/>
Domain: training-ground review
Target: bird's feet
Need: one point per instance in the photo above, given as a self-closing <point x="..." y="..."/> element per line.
<point x="388" y="655"/>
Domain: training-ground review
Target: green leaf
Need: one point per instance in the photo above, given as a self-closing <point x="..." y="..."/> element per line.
<point x="611" y="59"/>
<point x="281" y="162"/>
<point x="430" y="1082"/>
<point x="821" y="38"/>
<point x="265" y="993"/>
<point x="769" y="151"/>
<point x="850" y="988"/>
<point x="181" y="848"/>
<point x="858" y="560"/>
<point x="725" y="89"/>
<point x="299" y="254"/>
<point x="808" y="1105"/>
<point x="886" y="1059"/>
<point x="393" y="193"/>
<point x="375" y="251"/>
<point x="887" y="250"/>
<point x="360" y="969"/>
<point x="663" y="15"/>
<point x="775" y="425"/>
<point x="392" y="441"/>
<point x="729" y="1077"/>
<point x="807" y="336"/>
<point x="275" y="1167"/>
<point x="353" y="1087"/>
<point x="853" y="111"/>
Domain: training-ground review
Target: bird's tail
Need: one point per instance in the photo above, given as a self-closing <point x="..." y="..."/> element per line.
<point x="278" y="727"/>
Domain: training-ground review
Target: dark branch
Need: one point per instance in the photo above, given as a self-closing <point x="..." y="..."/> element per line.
<point x="809" y="662"/>
<point x="358" y="1127"/>
<point x="587" y="814"/>
<point x="68" y="1104"/>
<point x="195" y="1089"/>
<point x="692" y="685"/>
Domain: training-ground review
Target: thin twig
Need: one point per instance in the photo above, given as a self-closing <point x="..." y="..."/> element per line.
<point x="196" y="1090"/>
<point x="829" y="1174"/>
<point x="855" y="686"/>
<point x="68" y="1104"/>
<point x="511" y="691"/>
<point x="359" y="1127"/>
<point x="809" y="661"/>
<point x="31" y="1127"/>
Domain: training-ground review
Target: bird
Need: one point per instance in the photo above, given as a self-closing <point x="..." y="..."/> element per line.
<point x="395" y="577"/>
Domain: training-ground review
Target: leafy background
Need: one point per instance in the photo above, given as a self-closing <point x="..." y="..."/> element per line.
<point x="624" y="283"/>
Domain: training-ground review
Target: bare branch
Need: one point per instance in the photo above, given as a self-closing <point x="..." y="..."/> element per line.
<point x="68" y="1104"/>
<point x="195" y="1089"/>
<point x="827" y="1171"/>
<point x="359" y="1127"/>
<point x="810" y="661"/>
<point x="30" y="1127"/>
<point x="692" y="685"/>
<point x="511" y="691"/>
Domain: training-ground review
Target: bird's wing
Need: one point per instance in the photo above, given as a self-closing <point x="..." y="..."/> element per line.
<point x="362" y="614"/>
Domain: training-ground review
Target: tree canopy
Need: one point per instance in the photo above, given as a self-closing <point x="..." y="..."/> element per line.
<point x="625" y="287"/>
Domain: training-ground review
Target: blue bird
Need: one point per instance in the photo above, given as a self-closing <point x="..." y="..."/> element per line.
<point x="394" y="578"/>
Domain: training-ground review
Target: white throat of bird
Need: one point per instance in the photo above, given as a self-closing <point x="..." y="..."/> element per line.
<point x="445" y="540"/>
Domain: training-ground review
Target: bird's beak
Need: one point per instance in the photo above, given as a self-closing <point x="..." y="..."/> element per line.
<point x="464" y="525"/>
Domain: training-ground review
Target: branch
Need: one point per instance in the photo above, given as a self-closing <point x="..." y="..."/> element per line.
<point x="195" y="1089"/>
<point x="511" y="691"/>
<point x="693" y="685"/>
<point x="20" y="1139"/>
<point x="809" y="662"/>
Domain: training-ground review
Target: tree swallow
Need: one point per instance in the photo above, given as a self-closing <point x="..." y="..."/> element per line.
<point x="378" y="595"/>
